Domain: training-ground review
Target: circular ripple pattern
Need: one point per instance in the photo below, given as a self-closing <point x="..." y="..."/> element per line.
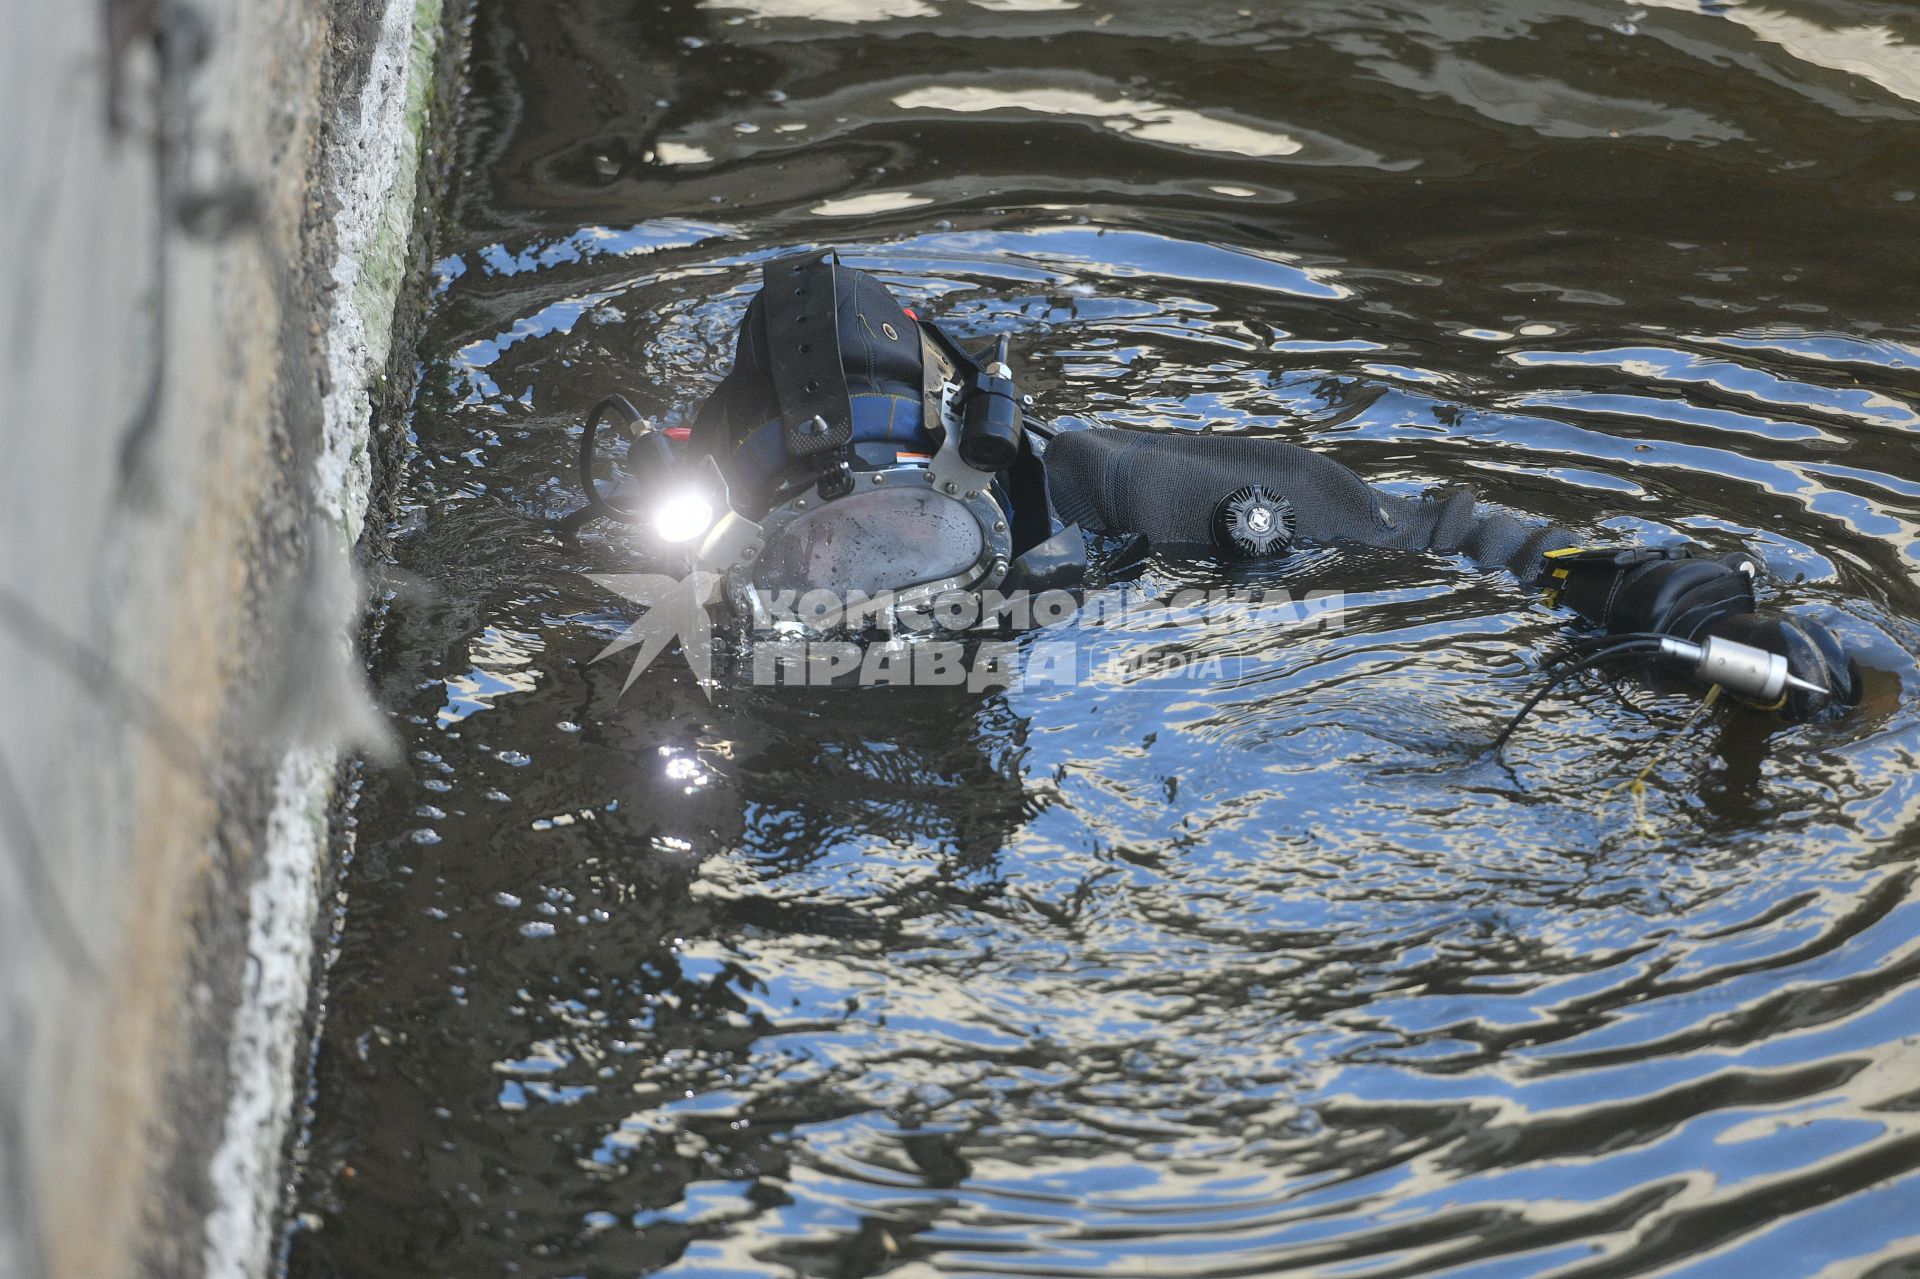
<point x="1262" y="970"/>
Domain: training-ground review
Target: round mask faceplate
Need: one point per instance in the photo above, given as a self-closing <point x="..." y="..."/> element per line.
<point x="874" y="540"/>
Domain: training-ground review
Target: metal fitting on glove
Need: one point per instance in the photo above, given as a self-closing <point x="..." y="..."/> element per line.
<point x="1753" y="673"/>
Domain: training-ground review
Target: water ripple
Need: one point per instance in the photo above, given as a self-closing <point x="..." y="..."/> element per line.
<point x="1256" y="967"/>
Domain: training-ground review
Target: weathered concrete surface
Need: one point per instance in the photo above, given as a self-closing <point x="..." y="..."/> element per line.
<point x="209" y="214"/>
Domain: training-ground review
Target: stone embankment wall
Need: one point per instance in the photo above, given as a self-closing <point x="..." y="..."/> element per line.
<point x="212" y="226"/>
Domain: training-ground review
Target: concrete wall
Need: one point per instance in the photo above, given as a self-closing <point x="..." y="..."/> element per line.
<point x="209" y="219"/>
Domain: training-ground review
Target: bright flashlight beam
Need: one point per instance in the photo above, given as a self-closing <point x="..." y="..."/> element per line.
<point x="683" y="517"/>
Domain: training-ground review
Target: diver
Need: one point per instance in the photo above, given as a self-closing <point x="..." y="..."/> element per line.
<point x="859" y="450"/>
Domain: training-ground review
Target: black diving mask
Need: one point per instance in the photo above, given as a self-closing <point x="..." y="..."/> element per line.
<point x="855" y="457"/>
<point x="854" y="549"/>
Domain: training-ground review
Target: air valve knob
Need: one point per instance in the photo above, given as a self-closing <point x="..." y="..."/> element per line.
<point x="990" y="417"/>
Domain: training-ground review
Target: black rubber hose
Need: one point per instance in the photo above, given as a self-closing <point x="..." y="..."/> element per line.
<point x="615" y="403"/>
<point x="1632" y="647"/>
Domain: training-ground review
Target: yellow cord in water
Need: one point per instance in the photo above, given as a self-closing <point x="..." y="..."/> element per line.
<point x="1636" y="786"/>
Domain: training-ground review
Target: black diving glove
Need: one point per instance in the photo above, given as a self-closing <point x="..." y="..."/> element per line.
<point x="1660" y="590"/>
<point x="1677" y="592"/>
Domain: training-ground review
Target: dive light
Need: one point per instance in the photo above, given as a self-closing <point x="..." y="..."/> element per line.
<point x="677" y="510"/>
<point x="682" y="516"/>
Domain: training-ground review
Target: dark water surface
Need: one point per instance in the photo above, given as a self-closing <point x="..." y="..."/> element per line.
<point x="1266" y="974"/>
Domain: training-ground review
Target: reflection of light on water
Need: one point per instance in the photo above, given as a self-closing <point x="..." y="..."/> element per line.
<point x="1136" y="117"/>
<point x="1873" y="53"/>
<point x="828" y="10"/>
<point x="873" y="202"/>
<point x="500" y="666"/>
<point x="1078" y="255"/>
<point x="681" y="153"/>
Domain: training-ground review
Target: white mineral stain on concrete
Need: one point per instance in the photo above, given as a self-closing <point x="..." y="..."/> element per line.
<point x="282" y="904"/>
<point x="373" y="175"/>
